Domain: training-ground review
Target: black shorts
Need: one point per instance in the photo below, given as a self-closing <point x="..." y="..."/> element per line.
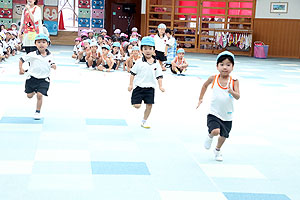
<point x="174" y="72"/>
<point x="142" y="94"/>
<point x="113" y="67"/>
<point x="214" y="122"/>
<point x="82" y="59"/>
<point x="160" y="56"/>
<point x="37" y="85"/>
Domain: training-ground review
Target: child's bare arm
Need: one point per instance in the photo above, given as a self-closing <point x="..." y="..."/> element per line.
<point x="21" y="70"/>
<point x="204" y="88"/>
<point x="236" y="90"/>
<point x="160" y="84"/>
<point x="131" y="82"/>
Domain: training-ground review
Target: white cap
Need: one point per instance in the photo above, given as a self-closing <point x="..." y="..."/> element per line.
<point x="134" y="29"/>
<point x="103" y="31"/>
<point x="117" y="31"/>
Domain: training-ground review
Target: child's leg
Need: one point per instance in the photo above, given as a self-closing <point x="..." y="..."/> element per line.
<point x="74" y="56"/>
<point x="220" y="143"/>
<point x="162" y="67"/>
<point x="39" y="101"/>
<point x="137" y="106"/>
<point x="147" y="111"/>
<point x="30" y="95"/>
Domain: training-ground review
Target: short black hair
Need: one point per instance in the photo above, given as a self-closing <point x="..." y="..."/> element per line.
<point x="101" y="36"/>
<point x="36" y="2"/>
<point x="168" y="31"/>
<point x="224" y="57"/>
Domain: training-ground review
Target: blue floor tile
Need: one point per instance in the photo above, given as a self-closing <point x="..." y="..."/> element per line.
<point x="20" y="120"/>
<point x="106" y="122"/>
<point x="120" y="168"/>
<point x="255" y="196"/>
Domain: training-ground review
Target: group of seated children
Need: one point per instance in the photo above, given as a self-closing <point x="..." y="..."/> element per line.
<point x="107" y="53"/>
<point x="9" y="42"/>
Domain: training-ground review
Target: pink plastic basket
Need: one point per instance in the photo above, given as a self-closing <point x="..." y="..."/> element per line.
<point x="260" y="50"/>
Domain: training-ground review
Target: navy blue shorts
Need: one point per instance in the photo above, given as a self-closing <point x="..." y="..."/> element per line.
<point x="140" y="94"/>
<point x="37" y="85"/>
<point x="214" y="122"/>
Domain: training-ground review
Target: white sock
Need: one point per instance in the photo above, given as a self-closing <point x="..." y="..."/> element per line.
<point x="144" y="121"/>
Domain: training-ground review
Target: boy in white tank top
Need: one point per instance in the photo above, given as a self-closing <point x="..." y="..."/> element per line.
<point x="225" y="90"/>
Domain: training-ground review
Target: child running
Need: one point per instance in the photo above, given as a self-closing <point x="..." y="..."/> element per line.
<point x="224" y="90"/>
<point x="41" y="61"/>
<point x="143" y="75"/>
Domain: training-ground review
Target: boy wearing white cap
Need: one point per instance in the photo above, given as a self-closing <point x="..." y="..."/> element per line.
<point x="224" y="90"/>
<point x="41" y="61"/>
<point x="92" y="56"/>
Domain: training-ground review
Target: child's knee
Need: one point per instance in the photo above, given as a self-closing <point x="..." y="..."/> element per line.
<point x="39" y="96"/>
<point x="215" y="132"/>
<point x="137" y="106"/>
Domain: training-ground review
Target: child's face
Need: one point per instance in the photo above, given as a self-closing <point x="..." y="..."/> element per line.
<point x="103" y="33"/>
<point x="148" y="51"/>
<point x="225" y="67"/>
<point x="161" y="31"/>
<point x="135" y="52"/>
<point x="86" y="45"/>
<point x="100" y="40"/>
<point x="105" y="51"/>
<point x="115" y="49"/>
<point x="94" y="48"/>
<point x="109" y="42"/>
<point x="180" y="55"/>
<point x="91" y="35"/>
<point x="77" y="42"/>
<point x="42" y="45"/>
<point x="13" y="27"/>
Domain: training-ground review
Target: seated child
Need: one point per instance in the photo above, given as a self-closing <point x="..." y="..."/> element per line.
<point x="76" y="48"/>
<point x="107" y="62"/>
<point x="179" y="63"/>
<point x="133" y="58"/>
<point x="92" y="56"/>
<point x="116" y="54"/>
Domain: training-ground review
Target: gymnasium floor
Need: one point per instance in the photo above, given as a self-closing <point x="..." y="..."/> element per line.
<point x="89" y="144"/>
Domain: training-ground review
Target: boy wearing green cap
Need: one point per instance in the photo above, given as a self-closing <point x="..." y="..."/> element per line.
<point x="143" y="78"/>
<point x="40" y="64"/>
<point x="224" y="90"/>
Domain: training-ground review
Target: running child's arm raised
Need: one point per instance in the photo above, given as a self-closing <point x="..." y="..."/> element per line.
<point x="204" y="88"/>
<point x="236" y="90"/>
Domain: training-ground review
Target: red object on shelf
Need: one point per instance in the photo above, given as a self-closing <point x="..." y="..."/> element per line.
<point x="187" y="10"/>
<point x="61" y="25"/>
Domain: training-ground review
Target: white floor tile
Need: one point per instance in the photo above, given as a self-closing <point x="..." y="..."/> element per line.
<point x="190" y="195"/>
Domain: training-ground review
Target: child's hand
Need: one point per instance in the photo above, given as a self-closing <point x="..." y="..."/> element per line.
<point x="199" y="103"/>
<point x="21" y="72"/>
<point x="230" y="91"/>
<point x="162" y="89"/>
<point x="130" y="88"/>
<point x="53" y="66"/>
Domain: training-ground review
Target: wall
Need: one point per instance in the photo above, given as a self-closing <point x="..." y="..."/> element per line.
<point x="279" y="31"/>
<point x="263" y="9"/>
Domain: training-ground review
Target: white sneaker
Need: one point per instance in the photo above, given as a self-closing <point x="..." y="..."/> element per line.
<point x="145" y="125"/>
<point x="37" y="116"/>
<point x="207" y="143"/>
<point x="218" y="155"/>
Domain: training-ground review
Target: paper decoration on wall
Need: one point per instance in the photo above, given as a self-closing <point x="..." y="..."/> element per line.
<point x="84" y="4"/>
<point x="98" y="4"/>
<point x="52" y="27"/>
<point x="84" y="13"/>
<point x="50" y="13"/>
<point x="97" y="30"/>
<point x="83" y="22"/>
<point x="98" y="13"/>
<point x="6" y="13"/>
<point x="17" y="21"/>
<point x="6" y="4"/>
<point x="6" y="22"/>
<point x="20" y="2"/>
<point x="97" y="23"/>
<point x="51" y="2"/>
<point x="80" y="30"/>
<point x="18" y="10"/>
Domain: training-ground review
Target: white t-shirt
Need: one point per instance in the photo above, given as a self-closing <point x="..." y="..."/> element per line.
<point x="145" y="74"/>
<point x="160" y="43"/>
<point x="40" y="66"/>
<point x="170" y="42"/>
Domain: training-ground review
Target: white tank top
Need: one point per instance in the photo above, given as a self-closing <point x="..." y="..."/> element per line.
<point x="221" y="104"/>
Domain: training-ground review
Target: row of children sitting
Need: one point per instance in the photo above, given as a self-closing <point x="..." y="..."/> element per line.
<point x="9" y="42"/>
<point x="107" y="53"/>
